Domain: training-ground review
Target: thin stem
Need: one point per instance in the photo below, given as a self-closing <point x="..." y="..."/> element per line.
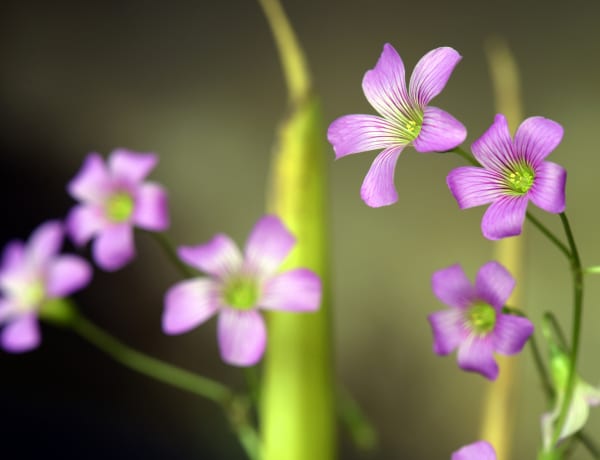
<point x="589" y="444"/>
<point x="542" y="228"/>
<point x="560" y="335"/>
<point x="541" y="368"/>
<point x="361" y="430"/>
<point x="466" y="156"/>
<point x="595" y="270"/>
<point x="169" y="248"/>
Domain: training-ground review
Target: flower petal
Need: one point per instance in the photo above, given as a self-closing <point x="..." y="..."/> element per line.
<point x="475" y="355"/>
<point x="431" y="74"/>
<point x="504" y="217"/>
<point x="242" y="336"/>
<point x="452" y="287"/>
<point x="294" y="290"/>
<point x="536" y="138"/>
<point x="219" y="257"/>
<point x="385" y="86"/>
<point x="448" y="330"/>
<point x="113" y="248"/>
<point x="66" y="275"/>
<point x="8" y="310"/>
<point x="188" y="304"/>
<point x="13" y="258"/>
<point x="151" y="208"/>
<point x="472" y="186"/>
<point x="577" y="416"/>
<point x="131" y="167"/>
<point x="440" y="131"/>
<point x="45" y="243"/>
<point x="480" y="450"/>
<point x="21" y="335"/>
<point x="360" y="133"/>
<point x="268" y="245"/>
<point x="494" y="149"/>
<point x="83" y="222"/>
<point x="92" y="183"/>
<point x="548" y="191"/>
<point x="494" y="284"/>
<point x="511" y="333"/>
<point x="378" y="187"/>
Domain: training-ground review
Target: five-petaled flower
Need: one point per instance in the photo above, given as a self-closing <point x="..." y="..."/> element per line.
<point x="480" y="450"/>
<point x="114" y="199"/>
<point x="30" y="276"/>
<point x="237" y="287"/>
<point x="514" y="172"/>
<point x="406" y="118"/>
<point x="475" y="322"/>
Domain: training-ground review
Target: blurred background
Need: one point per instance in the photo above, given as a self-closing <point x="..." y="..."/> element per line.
<point x="200" y="84"/>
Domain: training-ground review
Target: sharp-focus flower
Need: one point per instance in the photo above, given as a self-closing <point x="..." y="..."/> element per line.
<point x="113" y="199"/>
<point x="237" y="287"/>
<point x="475" y="323"/>
<point x="480" y="450"/>
<point x="406" y="118"/>
<point x="30" y="275"/>
<point x="513" y="172"/>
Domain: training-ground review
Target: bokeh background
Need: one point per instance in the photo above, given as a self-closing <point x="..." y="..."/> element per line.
<point x="200" y="84"/>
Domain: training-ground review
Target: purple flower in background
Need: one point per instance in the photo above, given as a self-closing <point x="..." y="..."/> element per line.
<point x="514" y="172"/>
<point x="480" y="450"/>
<point x="113" y="200"/>
<point x="237" y="287"/>
<point x="30" y="275"/>
<point x="405" y="118"/>
<point x="474" y="323"/>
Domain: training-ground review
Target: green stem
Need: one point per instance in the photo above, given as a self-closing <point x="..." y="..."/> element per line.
<point x="560" y="335"/>
<point x="169" y="249"/>
<point x="595" y="270"/>
<point x="589" y="444"/>
<point x="361" y="430"/>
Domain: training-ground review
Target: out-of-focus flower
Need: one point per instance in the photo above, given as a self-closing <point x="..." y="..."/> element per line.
<point x="237" y="287"/>
<point x="480" y="450"/>
<point x="114" y="199"/>
<point x="406" y="118"/>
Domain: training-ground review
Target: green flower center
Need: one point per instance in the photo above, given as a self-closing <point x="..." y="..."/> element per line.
<point x="481" y="318"/>
<point x="410" y="127"/>
<point x="241" y="293"/>
<point x="119" y="207"/>
<point x="33" y="295"/>
<point x="520" y="179"/>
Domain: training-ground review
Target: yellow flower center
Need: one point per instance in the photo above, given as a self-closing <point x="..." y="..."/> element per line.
<point x="481" y="318"/>
<point x="119" y="207"/>
<point x="520" y="179"/>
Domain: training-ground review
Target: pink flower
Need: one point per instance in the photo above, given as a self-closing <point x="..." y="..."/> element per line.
<point x="480" y="450"/>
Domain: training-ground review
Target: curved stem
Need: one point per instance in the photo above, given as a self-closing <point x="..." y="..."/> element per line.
<point x="169" y="248"/>
<point x="548" y="234"/>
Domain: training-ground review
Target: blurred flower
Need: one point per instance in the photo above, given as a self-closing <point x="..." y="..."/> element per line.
<point x="237" y="287"/>
<point x="405" y="118"/>
<point x="480" y="450"/>
<point x="30" y="276"/>
<point x="475" y="323"/>
<point x="513" y="173"/>
<point x="114" y="199"/>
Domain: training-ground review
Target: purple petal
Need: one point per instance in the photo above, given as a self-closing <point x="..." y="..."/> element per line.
<point x="384" y="85"/>
<point x="504" y="217"/>
<point x="536" y="138"/>
<point x="378" y="187"/>
<point x="480" y="450"/>
<point x="448" y="330"/>
<point x="294" y="290"/>
<point x="472" y="186"/>
<point x="440" y="131"/>
<point x="151" y="208"/>
<point x="220" y="256"/>
<point x="8" y="309"/>
<point x="45" y="242"/>
<point x="83" y="222"/>
<point x="431" y="74"/>
<point x="13" y="258"/>
<point x="113" y="248"/>
<point x="360" y="133"/>
<point x="494" y="284"/>
<point x="242" y="336"/>
<point x="21" y="335"/>
<point x="66" y="275"/>
<point x="475" y="355"/>
<point x="268" y="245"/>
<point x="452" y="287"/>
<point x="511" y="333"/>
<point x="494" y="149"/>
<point x="548" y="191"/>
<point x="92" y="183"/>
<point x="188" y="304"/>
<point x="131" y="167"/>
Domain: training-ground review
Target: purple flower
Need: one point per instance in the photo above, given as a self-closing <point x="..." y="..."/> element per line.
<point x="237" y="287"/>
<point x="405" y="118"/>
<point x="30" y="275"/>
<point x="114" y="199"/>
<point x="514" y="172"/>
<point x="475" y="323"/>
<point x="480" y="450"/>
